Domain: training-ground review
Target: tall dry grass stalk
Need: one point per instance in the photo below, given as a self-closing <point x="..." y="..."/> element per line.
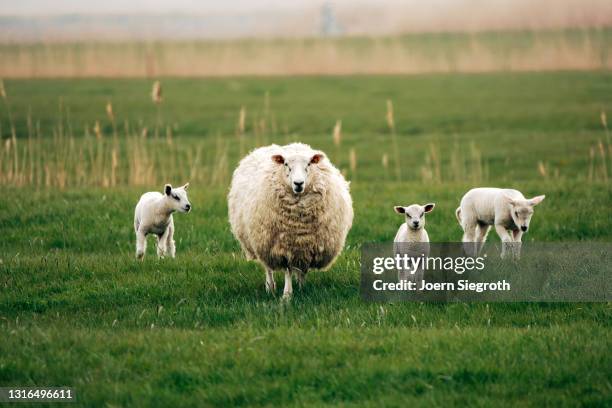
<point x="353" y="163"/>
<point x="604" y="123"/>
<point x="385" y="164"/>
<point x="604" y="166"/>
<point x="542" y="169"/>
<point x="396" y="153"/>
<point x="157" y="98"/>
<point x="241" y="129"/>
<point x="337" y="135"/>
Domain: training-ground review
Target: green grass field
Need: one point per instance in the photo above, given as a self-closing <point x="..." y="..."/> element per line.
<point x="77" y="309"/>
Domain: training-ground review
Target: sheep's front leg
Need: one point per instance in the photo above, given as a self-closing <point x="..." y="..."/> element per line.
<point x="170" y="246"/>
<point x="141" y="244"/>
<point x="505" y="238"/>
<point x="288" y="291"/>
<point x="161" y="244"/>
<point x="518" y="235"/>
<point x="270" y="283"/>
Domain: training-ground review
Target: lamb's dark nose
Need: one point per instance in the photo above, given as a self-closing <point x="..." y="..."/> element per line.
<point x="524" y="228"/>
<point x="415" y="223"/>
<point x="299" y="185"/>
<point x="188" y="207"/>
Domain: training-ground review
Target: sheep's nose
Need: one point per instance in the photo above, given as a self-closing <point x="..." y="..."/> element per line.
<point x="188" y="207"/>
<point x="524" y="228"/>
<point x="298" y="185"/>
<point x="415" y="223"/>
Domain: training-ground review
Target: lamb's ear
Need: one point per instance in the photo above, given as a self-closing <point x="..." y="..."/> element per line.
<point x="429" y="207"/>
<point x="536" y="200"/>
<point x="317" y="158"/>
<point x="186" y="186"/>
<point x="399" y="209"/>
<point x="168" y="189"/>
<point x="279" y="159"/>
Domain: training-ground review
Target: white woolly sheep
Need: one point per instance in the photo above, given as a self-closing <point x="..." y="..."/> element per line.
<point x="153" y="215"/>
<point x="290" y="209"/>
<point x="508" y="210"/>
<point x="411" y="237"/>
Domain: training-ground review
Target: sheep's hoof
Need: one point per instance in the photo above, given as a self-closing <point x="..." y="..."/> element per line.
<point x="287" y="297"/>
<point x="140" y="256"/>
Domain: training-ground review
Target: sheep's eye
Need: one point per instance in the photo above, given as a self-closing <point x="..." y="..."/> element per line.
<point x="176" y="197"/>
<point x="516" y="213"/>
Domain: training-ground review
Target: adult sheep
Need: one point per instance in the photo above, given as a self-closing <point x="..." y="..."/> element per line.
<point x="290" y="209"/>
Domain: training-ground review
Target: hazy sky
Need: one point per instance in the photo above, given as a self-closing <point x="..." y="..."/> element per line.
<point x="50" y="7"/>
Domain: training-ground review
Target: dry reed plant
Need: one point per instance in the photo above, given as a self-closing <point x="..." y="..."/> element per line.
<point x="396" y="153"/>
<point x="337" y="135"/>
<point x="385" y="164"/>
<point x="579" y="49"/>
<point x="599" y="172"/>
<point x="156" y="97"/>
<point x="353" y="163"/>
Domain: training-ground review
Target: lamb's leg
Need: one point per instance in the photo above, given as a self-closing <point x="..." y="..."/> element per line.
<point x="518" y="236"/>
<point x="481" y="236"/>
<point x="170" y="247"/>
<point x="161" y="244"/>
<point x="288" y="291"/>
<point x="469" y="238"/>
<point x="141" y="244"/>
<point x="505" y="238"/>
<point x="270" y="283"/>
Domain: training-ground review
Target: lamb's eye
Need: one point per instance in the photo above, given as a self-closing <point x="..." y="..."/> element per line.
<point x="176" y="197"/>
<point x="516" y="213"/>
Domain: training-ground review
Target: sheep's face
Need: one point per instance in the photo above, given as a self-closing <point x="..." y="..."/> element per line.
<point x="177" y="198"/>
<point x="415" y="214"/>
<point x="297" y="169"/>
<point x="522" y="211"/>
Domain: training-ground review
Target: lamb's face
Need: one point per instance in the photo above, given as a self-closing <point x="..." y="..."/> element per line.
<point x="415" y="214"/>
<point x="296" y="169"/>
<point x="177" y="198"/>
<point x="522" y="211"/>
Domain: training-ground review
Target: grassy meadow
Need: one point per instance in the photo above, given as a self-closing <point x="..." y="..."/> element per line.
<point x="77" y="309"/>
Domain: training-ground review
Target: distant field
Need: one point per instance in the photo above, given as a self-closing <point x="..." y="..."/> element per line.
<point x="571" y="49"/>
<point x="76" y="309"/>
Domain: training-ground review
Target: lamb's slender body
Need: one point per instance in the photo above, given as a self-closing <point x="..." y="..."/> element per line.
<point x="505" y="209"/>
<point x="290" y="209"/>
<point x="153" y="215"/>
<point x="412" y="238"/>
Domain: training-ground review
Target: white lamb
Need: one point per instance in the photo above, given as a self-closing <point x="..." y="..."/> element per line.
<point x="411" y="237"/>
<point x="508" y="210"/>
<point x="153" y="215"/>
<point x="290" y="209"/>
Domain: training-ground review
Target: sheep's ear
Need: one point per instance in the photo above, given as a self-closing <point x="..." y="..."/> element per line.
<point x="168" y="189"/>
<point x="316" y="158"/>
<point x="536" y="200"/>
<point x="429" y="207"/>
<point x="399" y="209"/>
<point x="186" y="186"/>
<point x="279" y="159"/>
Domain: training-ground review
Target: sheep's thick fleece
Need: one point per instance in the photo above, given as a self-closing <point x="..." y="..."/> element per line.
<point x="284" y="230"/>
